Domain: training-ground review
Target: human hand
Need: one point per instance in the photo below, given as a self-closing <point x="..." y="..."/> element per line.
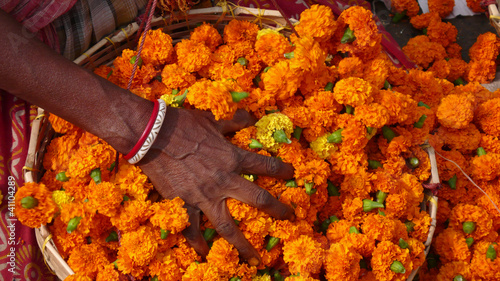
<point x="192" y="160"/>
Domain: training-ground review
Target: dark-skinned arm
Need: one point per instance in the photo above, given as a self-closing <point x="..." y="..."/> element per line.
<point x="190" y="158"/>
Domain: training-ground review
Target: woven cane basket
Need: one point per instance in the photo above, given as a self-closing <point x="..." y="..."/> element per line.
<point x="104" y="52"/>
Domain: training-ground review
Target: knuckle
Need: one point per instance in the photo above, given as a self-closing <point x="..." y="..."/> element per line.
<point x="225" y="228"/>
<point x="272" y="166"/>
<point x="263" y="198"/>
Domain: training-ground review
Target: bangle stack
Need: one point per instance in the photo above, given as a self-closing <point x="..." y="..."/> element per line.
<point x="149" y="135"/>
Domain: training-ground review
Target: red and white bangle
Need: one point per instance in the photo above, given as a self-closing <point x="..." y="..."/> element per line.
<point x="149" y="135"/>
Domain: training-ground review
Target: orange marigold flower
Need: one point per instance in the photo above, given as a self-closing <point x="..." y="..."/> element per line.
<point x="454" y="51"/>
<point x="485" y="47"/>
<point x="59" y="151"/>
<point x="132" y="181"/>
<point x="170" y="215"/>
<point x="450" y="245"/>
<point x="417" y="252"/>
<point x="208" y="35"/>
<point x="77" y="277"/>
<point x="62" y="126"/>
<point x="465" y="140"/>
<point x="192" y="55"/>
<point x="282" y="80"/>
<point x="443" y="8"/>
<point x="124" y="66"/>
<point x="352" y="208"/>
<point x="241" y="211"/>
<point x="470" y="213"/>
<point x="359" y="243"/>
<point x="448" y="271"/>
<point x="401" y="108"/>
<point x="34" y="206"/>
<point x="271" y="48"/>
<point x="350" y="67"/>
<point x="422" y="21"/>
<point x="108" y="272"/>
<point x="65" y="241"/>
<point x="423" y="51"/>
<point x="312" y="170"/>
<point x="358" y="185"/>
<point x="214" y="96"/>
<point x="132" y="214"/>
<point x="175" y="77"/>
<point x="424" y="87"/>
<point x="237" y="31"/>
<point x="201" y="272"/>
<point x="105" y="197"/>
<point x="303" y="255"/>
<point x="482" y="71"/>
<point x="78" y="210"/>
<point x="457" y="69"/>
<point x="488" y="117"/>
<point x="49" y="179"/>
<point x="409" y="6"/>
<point x="376" y="72"/>
<point x="90" y="157"/>
<point x="299" y="198"/>
<point x="490" y="143"/>
<point x="441" y="69"/>
<point x="372" y="115"/>
<point x="158" y="49"/>
<point x="164" y="266"/>
<point x="383" y="228"/>
<point x="139" y="245"/>
<point x="475" y="6"/>
<point x="224" y="257"/>
<point x="88" y="259"/>
<point x="455" y="111"/>
<point x="486" y="167"/>
<point x="483" y="267"/>
<point x="342" y="263"/>
<point x="353" y="91"/>
<point x="317" y="21"/>
<point x="242" y="138"/>
<point x="422" y="222"/>
<point x="384" y="255"/>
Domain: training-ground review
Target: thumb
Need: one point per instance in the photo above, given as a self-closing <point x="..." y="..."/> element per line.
<point x="241" y="119"/>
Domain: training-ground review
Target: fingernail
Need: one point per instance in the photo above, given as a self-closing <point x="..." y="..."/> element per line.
<point x="292" y="217"/>
<point x="253" y="262"/>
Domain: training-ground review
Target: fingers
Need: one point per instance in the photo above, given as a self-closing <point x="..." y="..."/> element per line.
<point x="193" y="234"/>
<point x="241" y="119"/>
<point x="253" y="163"/>
<point x="251" y="194"/>
<point x="224" y="224"/>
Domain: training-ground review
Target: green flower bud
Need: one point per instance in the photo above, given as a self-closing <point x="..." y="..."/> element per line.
<point x="256" y="80"/>
<point x="238" y="96"/>
<point x="62" y="177"/>
<point x="266" y="69"/>
<point x="334" y="219"/>
<point x="209" y="234"/>
<point x="291" y="183"/>
<point x="309" y="188"/>
<point x="403" y="244"/>
<point x="237" y="222"/>
<point x="348" y="36"/>
<point x="139" y="63"/>
<point x="278" y="276"/>
<point x="243" y="61"/>
<point x="388" y="133"/>
<point x="369" y="130"/>
<point x="255" y="144"/>
<point x="73" y="224"/>
<point x="29" y="202"/>
<point x="115" y="263"/>
<point x="369" y="205"/>
<point x="469" y="241"/>
<point x="235" y="278"/>
<point x="459" y="81"/>
<point x="381" y="196"/>
<point x="113" y="236"/>
<point x="353" y="229"/>
<point x="125" y="198"/>
<point x="290" y="55"/>
<point x="491" y="253"/>
<point x="381" y="213"/>
<point x="273" y="241"/>
<point x="329" y="86"/>
<point x="420" y="122"/>
<point x="414" y="162"/>
<point x="481" y="151"/>
<point x="398" y="267"/>
<point x="398" y="17"/>
<point x="469" y="227"/>
<point x="349" y="109"/>
<point x="175" y="92"/>
<point x="109" y="74"/>
<point x="459" y="278"/>
<point x="179" y="100"/>
<point x="164" y="234"/>
<point x="420" y="103"/>
<point x="409" y="226"/>
<point x="297" y="132"/>
<point x="335" y="137"/>
<point x="96" y="175"/>
<point x="155" y="278"/>
<point x="453" y="182"/>
<point x="332" y="189"/>
<point x="387" y="85"/>
<point x="374" y="164"/>
<point x="280" y="137"/>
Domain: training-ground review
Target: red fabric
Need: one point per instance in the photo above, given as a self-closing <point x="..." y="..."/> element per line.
<point x="146" y="132"/>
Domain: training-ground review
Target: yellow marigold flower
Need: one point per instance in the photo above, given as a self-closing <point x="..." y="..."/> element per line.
<point x="481" y="265"/>
<point x="158" y="49"/>
<point x="34" y="206"/>
<point x="424" y="52"/>
<point x="201" y="272"/>
<point x="214" y="96"/>
<point x="164" y="266"/>
<point x="108" y="272"/>
<point x="455" y="111"/>
<point x="488" y="117"/>
<point x="450" y="245"/>
<point x="282" y="80"/>
<point x="88" y="259"/>
<point x="77" y="277"/>
<point x="105" y="197"/>
<point x="411" y="7"/>
<point x="176" y="77"/>
<point x="384" y="255"/>
<point x="208" y="35"/>
<point x="268" y="125"/>
<point x="353" y="91"/>
<point x="237" y="31"/>
<point x="443" y="8"/>
<point x="139" y="245"/>
<point x="132" y="181"/>
<point x="443" y="33"/>
<point x="303" y="255"/>
<point x="322" y="147"/>
<point x="65" y="241"/>
<point x="342" y="263"/>
<point x="170" y="215"/>
<point x="271" y="48"/>
<point x="124" y="66"/>
<point x="132" y="214"/>
<point x="90" y="157"/>
<point x="192" y="55"/>
<point x="318" y="22"/>
<point x="448" y="271"/>
<point x="264" y="277"/>
<point x="224" y="257"/>
<point x="62" y="126"/>
<point x="60" y="197"/>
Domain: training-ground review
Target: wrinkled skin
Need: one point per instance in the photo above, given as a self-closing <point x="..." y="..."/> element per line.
<point x="192" y="160"/>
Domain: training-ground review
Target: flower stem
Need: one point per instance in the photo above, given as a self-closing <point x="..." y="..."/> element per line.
<point x="403" y="244"/>
<point x="255" y="144"/>
<point x="96" y="175"/>
<point x="348" y="36"/>
<point x="420" y="122"/>
<point x="238" y="96"/>
<point x="388" y="133"/>
<point x="73" y="224"/>
<point x="273" y="241"/>
<point x="369" y="205"/>
<point x="62" y="177"/>
<point x="280" y="137"/>
<point x="332" y="189"/>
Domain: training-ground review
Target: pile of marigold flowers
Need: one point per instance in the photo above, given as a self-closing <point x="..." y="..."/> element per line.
<point x="330" y="103"/>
